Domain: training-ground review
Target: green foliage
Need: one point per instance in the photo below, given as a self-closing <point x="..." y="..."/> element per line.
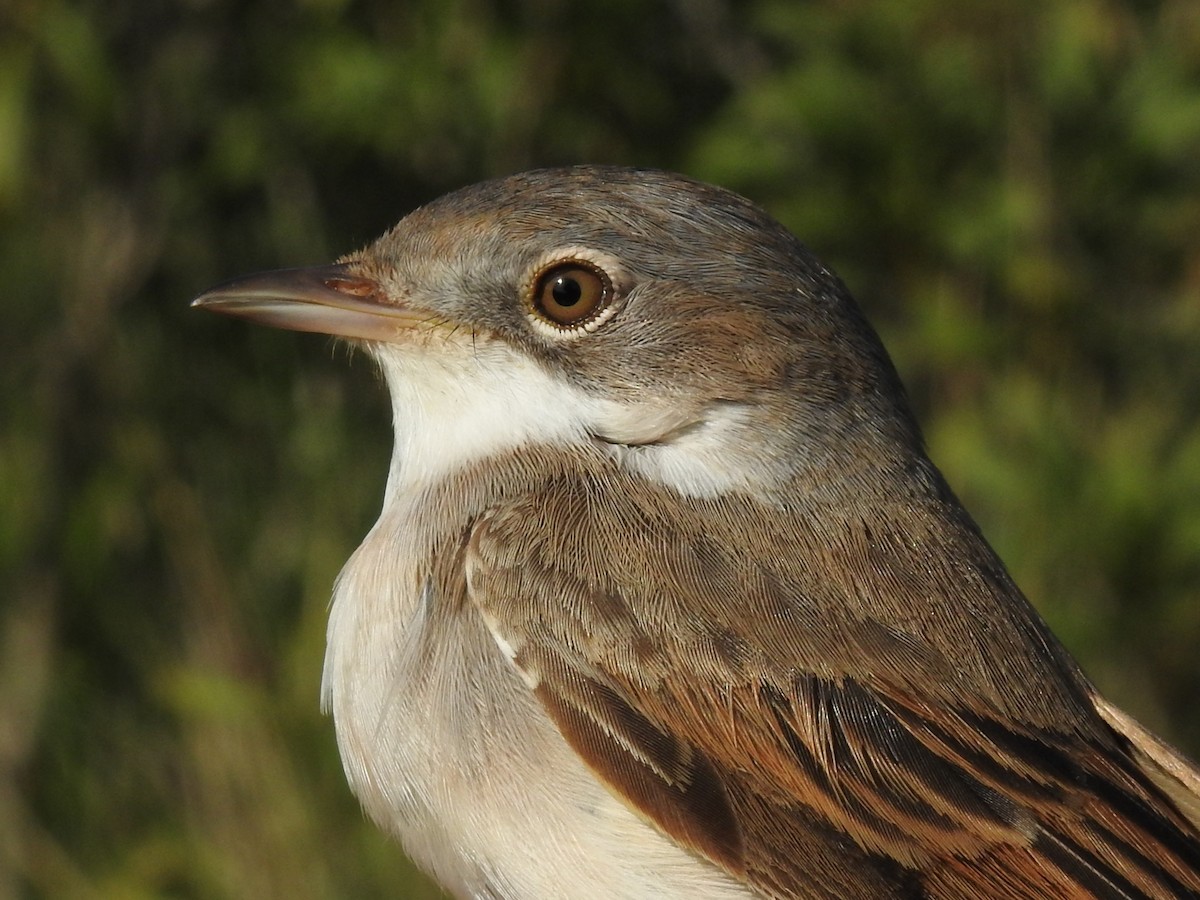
<point x="1012" y="190"/>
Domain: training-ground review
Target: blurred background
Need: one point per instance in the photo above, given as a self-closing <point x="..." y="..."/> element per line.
<point x="1011" y="189"/>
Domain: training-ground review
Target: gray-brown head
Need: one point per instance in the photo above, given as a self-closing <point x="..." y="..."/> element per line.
<point x="685" y="315"/>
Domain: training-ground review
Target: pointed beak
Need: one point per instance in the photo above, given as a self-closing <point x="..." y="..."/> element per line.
<point x="322" y="299"/>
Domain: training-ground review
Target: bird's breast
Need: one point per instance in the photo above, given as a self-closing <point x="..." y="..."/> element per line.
<point x="446" y="747"/>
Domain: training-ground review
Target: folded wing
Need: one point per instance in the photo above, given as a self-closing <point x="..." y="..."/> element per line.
<point x="763" y="707"/>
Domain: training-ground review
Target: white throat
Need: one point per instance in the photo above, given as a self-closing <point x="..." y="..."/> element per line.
<point x="468" y="404"/>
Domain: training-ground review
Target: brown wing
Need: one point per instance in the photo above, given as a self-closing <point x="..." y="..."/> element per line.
<point x="833" y="712"/>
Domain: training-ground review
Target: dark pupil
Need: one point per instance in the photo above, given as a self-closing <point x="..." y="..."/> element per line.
<point x="566" y="291"/>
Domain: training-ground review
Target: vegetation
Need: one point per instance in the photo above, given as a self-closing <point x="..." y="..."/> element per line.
<point x="1011" y="189"/>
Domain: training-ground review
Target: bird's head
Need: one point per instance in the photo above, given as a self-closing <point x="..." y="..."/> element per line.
<point x="671" y="324"/>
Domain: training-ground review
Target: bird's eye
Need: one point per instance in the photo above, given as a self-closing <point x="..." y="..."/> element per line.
<point x="572" y="293"/>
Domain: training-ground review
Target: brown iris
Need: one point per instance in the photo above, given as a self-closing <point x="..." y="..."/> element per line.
<point x="571" y="293"/>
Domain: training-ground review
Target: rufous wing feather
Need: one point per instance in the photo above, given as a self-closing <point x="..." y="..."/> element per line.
<point x="819" y="753"/>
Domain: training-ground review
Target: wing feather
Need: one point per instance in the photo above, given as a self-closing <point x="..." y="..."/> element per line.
<point x="818" y="715"/>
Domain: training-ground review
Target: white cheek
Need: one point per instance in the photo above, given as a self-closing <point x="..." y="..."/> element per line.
<point x="453" y="406"/>
<point x="724" y="451"/>
<point x="458" y="402"/>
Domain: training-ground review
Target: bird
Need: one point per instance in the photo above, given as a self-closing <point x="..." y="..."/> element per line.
<point x="666" y="598"/>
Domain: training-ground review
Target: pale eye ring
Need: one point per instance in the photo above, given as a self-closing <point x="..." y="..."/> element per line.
<point x="571" y="293"/>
